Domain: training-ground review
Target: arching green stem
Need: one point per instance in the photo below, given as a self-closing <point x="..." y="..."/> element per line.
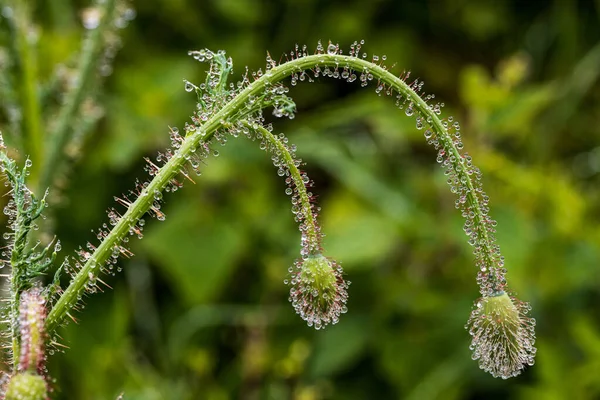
<point x="224" y="116"/>
<point x="312" y="229"/>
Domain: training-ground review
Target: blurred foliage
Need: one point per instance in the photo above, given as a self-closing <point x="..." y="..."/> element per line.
<point x="201" y="311"/>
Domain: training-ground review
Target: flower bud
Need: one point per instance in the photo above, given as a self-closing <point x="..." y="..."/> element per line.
<point x="318" y="292"/>
<point x="502" y="335"/>
<point x="26" y="386"/>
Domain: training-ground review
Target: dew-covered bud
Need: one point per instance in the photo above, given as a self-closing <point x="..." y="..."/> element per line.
<point x="26" y="386"/>
<point x="502" y="335"/>
<point x="318" y="291"/>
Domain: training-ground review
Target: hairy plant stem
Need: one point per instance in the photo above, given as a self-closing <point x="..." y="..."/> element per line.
<point x="62" y="129"/>
<point x="312" y="232"/>
<point x="22" y="224"/>
<point x="18" y="271"/>
<point x="15" y="282"/>
<point x="223" y="117"/>
<point x="15" y="301"/>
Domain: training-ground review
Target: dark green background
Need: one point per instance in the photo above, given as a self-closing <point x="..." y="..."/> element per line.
<point x="201" y="311"/>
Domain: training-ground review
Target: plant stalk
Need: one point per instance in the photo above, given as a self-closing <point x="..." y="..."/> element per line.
<point x="204" y="134"/>
<point x="312" y="228"/>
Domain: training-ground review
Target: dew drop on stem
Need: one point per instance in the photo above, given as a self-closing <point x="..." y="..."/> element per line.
<point x="188" y="86"/>
<point x="331" y="49"/>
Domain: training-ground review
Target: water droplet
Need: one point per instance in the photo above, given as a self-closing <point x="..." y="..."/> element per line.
<point x="332" y="49"/>
<point x="188" y="86"/>
<point x="91" y="17"/>
<point x="419" y="124"/>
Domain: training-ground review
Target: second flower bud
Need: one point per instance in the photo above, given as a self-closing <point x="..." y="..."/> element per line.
<point x="318" y="291"/>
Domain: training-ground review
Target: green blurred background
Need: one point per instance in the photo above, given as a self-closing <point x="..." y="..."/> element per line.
<point x="201" y="311"/>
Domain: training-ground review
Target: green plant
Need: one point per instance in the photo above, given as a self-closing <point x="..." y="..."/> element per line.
<point x="502" y="334"/>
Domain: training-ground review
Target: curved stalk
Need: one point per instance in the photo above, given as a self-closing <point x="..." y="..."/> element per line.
<point x="227" y="115"/>
<point x="312" y="229"/>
